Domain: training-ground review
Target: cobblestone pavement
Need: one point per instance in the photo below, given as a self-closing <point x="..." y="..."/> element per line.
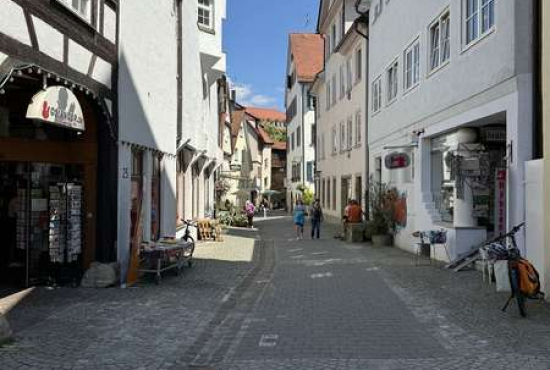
<point x="144" y="327"/>
<point x="300" y="305"/>
<point x="332" y="305"/>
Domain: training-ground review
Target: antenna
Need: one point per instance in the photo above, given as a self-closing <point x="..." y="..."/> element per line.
<point x="307" y="20"/>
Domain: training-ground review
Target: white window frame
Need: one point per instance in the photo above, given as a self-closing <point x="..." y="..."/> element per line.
<point x="377" y="95"/>
<point x="210" y="9"/>
<point x="86" y="15"/>
<point x="439" y="55"/>
<point x="393" y="85"/>
<point x="343" y="141"/>
<point x="349" y="74"/>
<point x="349" y="133"/>
<point x="342" y="82"/>
<point x="411" y="66"/>
<point x="481" y="13"/>
<point x="358" y="64"/>
<point x="334" y="140"/>
<point x="358" y="129"/>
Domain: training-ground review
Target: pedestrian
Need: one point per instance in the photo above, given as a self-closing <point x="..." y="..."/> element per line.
<point x="316" y="219"/>
<point x="299" y="217"/>
<point x="250" y="209"/>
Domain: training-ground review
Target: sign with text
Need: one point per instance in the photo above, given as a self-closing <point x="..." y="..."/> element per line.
<point x="58" y="106"/>
<point x="395" y="161"/>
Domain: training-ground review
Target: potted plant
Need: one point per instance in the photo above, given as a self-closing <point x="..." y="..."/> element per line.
<point x="381" y="224"/>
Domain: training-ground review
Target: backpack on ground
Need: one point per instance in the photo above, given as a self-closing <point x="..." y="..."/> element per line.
<point x="529" y="283"/>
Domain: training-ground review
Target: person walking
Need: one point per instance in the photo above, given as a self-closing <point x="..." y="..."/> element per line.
<point x="299" y="217"/>
<point x="250" y="209"/>
<point x="316" y="219"/>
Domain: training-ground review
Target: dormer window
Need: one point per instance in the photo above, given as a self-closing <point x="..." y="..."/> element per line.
<point x="206" y="11"/>
<point x="82" y="8"/>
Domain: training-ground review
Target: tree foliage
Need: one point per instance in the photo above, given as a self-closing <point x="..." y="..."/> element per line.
<point x="274" y="132"/>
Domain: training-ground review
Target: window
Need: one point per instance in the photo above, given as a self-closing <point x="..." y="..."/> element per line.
<point x="333" y="37"/>
<point x="155" y="198"/>
<point x="334" y="140"/>
<point x="342" y="82"/>
<point x="412" y="66"/>
<point x="327" y="87"/>
<point x="358" y="65"/>
<point x="440" y="41"/>
<point x="311" y="102"/>
<point x="480" y="18"/>
<point x="291" y="110"/>
<point x="205" y="13"/>
<point x="358" y="129"/>
<point x="333" y="88"/>
<point x="309" y="170"/>
<point x="80" y="7"/>
<point x="349" y="74"/>
<point x="327" y="201"/>
<point x="350" y="133"/>
<point x="299" y="137"/>
<point x="377" y="95"/>
<point x="342" y="136"/>
<point x="392" y="82"/>
<point x="292" y="141"/>
<point x="334" y="194"/>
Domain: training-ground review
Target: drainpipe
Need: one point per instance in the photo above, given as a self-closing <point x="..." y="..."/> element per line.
<point x="364" y="20"/>
<point x="179" y="38"/>
<point x="302" y="129"/>
<point x="538" y="147"/>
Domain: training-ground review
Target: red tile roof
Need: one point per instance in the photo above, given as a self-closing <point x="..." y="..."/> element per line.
<point x="307" y="50"/>
<point x="266" y="114"/>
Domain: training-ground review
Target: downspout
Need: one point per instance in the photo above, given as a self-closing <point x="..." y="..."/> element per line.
<point x="179" y="38"/>
<point x="538" y="147"/>
<point x="302" y="129"/>
<point x="364" y="19"/>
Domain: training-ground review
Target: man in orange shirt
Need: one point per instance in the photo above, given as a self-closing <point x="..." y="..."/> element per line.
<point x="355" y="213"/>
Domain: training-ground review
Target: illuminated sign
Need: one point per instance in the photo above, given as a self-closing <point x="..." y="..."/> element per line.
<point x="395" y="161"/>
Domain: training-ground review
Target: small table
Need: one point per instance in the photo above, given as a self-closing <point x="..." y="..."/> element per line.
<point x="158" y="257"/>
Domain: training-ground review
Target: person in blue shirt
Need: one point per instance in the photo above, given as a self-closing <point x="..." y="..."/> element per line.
<point x="299" y="218"/>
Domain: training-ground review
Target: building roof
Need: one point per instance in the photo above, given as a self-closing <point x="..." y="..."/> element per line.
<point x="307" y="50"/>
<point x="266" y="114"/>
<point x="279" y="145"/>
<point x="264" y="136"/>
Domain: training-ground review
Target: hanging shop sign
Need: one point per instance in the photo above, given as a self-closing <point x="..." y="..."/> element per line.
<point x="58" y="106"/>
<point x="500" y="201"/>
<point x="396" y="160"/>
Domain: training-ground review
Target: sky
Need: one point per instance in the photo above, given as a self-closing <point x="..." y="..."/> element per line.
<point x="256" y="44"/>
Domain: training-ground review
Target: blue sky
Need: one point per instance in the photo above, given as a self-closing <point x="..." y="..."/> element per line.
<point x="255" y="40"/>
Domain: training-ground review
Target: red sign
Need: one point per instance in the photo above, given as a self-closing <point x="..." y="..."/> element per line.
<point x="395" y="161"/>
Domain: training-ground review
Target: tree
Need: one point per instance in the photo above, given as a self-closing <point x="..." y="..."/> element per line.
<point x="274" y="132"/>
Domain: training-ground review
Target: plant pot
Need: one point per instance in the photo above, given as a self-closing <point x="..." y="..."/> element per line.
<point x="382" y="240"/>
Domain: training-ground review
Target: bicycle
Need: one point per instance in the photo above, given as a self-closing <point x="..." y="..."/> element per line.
<point x="188" y="253"/>
<point x="512" y="254"/>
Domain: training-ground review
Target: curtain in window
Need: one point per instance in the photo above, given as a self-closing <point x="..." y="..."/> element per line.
<point x="435" y="38"/>
<point x="446" y="38"/>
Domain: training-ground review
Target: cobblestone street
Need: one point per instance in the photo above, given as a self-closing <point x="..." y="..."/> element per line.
<point x="285" y="304"/>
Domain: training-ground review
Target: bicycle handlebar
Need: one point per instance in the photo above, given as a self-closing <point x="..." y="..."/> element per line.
<point x="510" y="233"/>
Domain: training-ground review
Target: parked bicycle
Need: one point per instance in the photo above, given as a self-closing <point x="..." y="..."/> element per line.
<point x="524" y="280"/>
<point x="188" y="254"/>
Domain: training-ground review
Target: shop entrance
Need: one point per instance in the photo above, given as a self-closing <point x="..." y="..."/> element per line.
<point x="41" y="221"/>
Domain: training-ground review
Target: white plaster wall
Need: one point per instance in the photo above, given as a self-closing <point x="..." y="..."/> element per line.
<point x="147" y="78"/>
<point x="50" y="40"/>
<point x="103" y="72"/>
<point x="534" y="218"/>
<point x="481" y="80"/>
<point x="79" y="57"/>
<point x="109" y="23"/>
<point x="13" y="23"/>
<point x="350" y="163"/>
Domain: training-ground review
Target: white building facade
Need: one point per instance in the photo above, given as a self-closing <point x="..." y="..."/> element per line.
<point x="341" y="92"/>
<point x="450" y="107"/>
<point x="148" y="100"/>
<point x="304" y="61"/>
<point x="199" y="146"/>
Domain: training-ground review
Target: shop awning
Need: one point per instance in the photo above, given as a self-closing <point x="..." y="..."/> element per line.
<point x="59" y="106"/>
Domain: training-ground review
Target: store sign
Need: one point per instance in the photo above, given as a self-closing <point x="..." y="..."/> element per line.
<point x="500" y="201"/>
<point x="58" y="106"/>
<point x="395" y="161"/>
